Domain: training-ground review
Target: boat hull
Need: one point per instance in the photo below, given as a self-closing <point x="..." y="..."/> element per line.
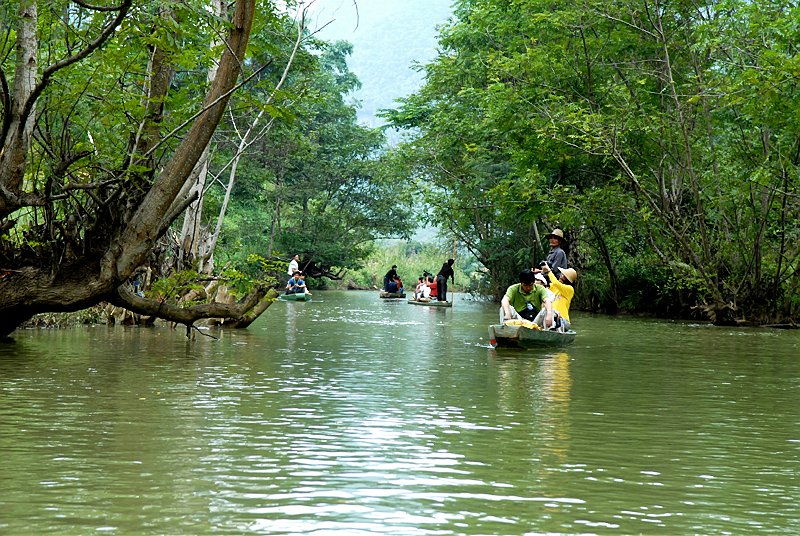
<point x="432" y="303"/>
<point x="295" y="297"/>
<point x="392" y="295"/>
<point x="522" y="337"/>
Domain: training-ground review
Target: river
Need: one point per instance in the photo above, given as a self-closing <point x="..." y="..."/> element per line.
<point x="352" y="415"/>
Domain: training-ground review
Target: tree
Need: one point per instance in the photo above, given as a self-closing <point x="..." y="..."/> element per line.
<point x="660" y="132"/>
<point x="79" y="211"/>
<point x="198" y="243"/>
<point x="315" y="184"/>
<point x="463" y="151"/>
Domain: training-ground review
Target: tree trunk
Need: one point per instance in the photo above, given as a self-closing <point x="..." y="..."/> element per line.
<point x="18" y="124"/>
<point x="192" y="234"/>
<point x="100" y="276"/>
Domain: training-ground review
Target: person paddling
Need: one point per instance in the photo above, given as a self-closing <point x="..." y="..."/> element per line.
<point x="556" y="259"/>
<point x="441" y="279"/>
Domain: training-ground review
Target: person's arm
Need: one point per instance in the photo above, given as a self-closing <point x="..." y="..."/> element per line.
<point x="548" y="317"/>
<point x="554" y="282"/>
<point x="509" y="311"/>
<point x="505" y="303"/>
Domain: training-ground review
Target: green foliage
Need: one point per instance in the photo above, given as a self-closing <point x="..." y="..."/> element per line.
<point x="413" y="259"/>
<point x="315" y="186"/>
<point x="671" y="129"/>
<point x="256" y="271"/>
<point x="176" y="286"/>
<point x="240" y="279"/>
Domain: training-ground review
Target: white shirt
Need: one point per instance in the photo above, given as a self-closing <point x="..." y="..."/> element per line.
<point x="292" y="267"/>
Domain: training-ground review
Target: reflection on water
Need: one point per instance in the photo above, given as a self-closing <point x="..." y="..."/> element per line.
<point x="351" y="415"/>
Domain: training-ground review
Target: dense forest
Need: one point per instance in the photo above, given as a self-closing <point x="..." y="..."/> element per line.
<point x="664" y="138"/>
<point x="189" y="149"/>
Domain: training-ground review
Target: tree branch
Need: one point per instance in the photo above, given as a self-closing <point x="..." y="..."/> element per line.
<point x="91" y="47"/>
<point x="187" y="316"/>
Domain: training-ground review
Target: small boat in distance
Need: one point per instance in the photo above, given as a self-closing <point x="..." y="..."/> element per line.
<point x="391" y="295"/>
<point x="522" y="336"/>
<point x="431" y="303"/>
<point x="299" y="296"/>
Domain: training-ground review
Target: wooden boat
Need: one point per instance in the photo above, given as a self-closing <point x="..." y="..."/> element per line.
<point x="431" y="303"/>
<point x="520" y="336"/>
<point x="295" y="297"/>
<point x="391" y="295"/>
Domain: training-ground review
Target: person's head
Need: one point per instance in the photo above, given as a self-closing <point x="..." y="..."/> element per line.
<point x="297" y="257"/>
<point x="419" y="279"/>
<point x="394" y="267"/>
<point x="295" y="274"/>
<point x="430" y="279"/>
<point x="396" y="277"/>
<point x="451" y="262"/>
<point x="568" y="276"/>
<point x="556" y="238"/>
<point x="526" y="279"/>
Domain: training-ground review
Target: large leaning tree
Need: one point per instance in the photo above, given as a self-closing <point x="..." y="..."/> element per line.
<point x="102" y="119"/>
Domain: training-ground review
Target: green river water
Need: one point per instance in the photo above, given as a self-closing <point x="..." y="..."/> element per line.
<point x="351" y="415"/>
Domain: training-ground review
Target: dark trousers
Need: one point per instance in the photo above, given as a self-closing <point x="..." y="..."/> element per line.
<point x="441" y="288"/>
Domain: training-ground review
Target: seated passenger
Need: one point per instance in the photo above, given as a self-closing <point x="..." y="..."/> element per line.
<point x="399" y="284"/>
<point x="563" y="288"/>
<point x="389" y="276"/>
<point x="293" y="286"/>
<point x="301" y="286"/>
<point x="418" y="288"/>
<point x="525" y="300"/>
<point x="426" y="294"/>
<point x="432" y="286"/>
<point x="391" y="286"/>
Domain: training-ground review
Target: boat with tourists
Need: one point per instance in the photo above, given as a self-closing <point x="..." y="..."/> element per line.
<point x="392" y="295"/>
<point x="525" y="334"/>
<point x="298" y="296"/>
<point x="431" y="303"/>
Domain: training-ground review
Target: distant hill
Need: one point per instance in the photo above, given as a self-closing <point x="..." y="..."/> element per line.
<point x="388" y="36"/>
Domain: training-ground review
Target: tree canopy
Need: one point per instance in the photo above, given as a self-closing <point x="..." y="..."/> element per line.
<point x="662" y="137"/>
<point x="109" y="132"/>
<point x="317" y="173"/>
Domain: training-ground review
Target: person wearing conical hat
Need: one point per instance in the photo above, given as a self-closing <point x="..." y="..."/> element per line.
<point x="557" y="259"/>
<point x="563" y="288"/>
